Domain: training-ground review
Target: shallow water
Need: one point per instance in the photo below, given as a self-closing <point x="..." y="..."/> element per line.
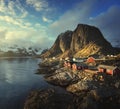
<point x="17" y="79"/>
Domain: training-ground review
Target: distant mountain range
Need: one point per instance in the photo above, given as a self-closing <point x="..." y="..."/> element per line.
<point x="18" y="52"/>
<point x="84" y="41"/>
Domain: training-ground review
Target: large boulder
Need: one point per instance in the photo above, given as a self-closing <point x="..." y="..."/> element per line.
<point x="48" y="99"/>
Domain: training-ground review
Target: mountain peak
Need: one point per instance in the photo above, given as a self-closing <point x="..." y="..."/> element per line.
<point x="85" y="40"/>
<point x="84" y="34"/>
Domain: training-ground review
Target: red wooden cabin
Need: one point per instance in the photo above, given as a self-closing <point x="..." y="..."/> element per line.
<point x="91" y="60"/>
<point x="79" y="66"/>
<point x="69" y="65"/>
<point x="108" y="69"/>
<point x="102" y="69"/>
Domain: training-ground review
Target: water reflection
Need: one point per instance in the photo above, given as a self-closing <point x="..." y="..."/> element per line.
<point x="17" y="78"/>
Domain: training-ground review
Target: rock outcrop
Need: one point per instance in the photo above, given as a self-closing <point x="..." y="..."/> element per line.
<point x="85" y="34"/>
<point x="48" y="99"/>
<point x="61" y="45"/>
<point x="88" y="90"/>
<point x="85" y="40"/>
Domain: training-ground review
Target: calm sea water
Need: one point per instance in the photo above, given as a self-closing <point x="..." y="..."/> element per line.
<point x="17" y="79"/>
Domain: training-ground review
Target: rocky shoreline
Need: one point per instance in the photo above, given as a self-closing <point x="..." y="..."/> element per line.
<point x="84" y="90"/>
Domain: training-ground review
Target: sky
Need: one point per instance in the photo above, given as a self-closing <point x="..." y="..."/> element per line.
<point x="37" y="23"/>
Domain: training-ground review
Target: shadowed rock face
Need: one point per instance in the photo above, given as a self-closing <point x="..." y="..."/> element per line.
<point x="63" y="41"/>
<point x="85" y="34"/>
<point x="82" y="37"/>
<point x="61" y="44"/>
<point x="48" y="99"/>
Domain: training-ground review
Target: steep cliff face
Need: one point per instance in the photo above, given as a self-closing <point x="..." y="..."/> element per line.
<point x="61" y="45"/>
<point x="65" y="41"/>
<point x="85" y="40"/>
<point x="89" y="49"/>
<point x="85" y="34"/>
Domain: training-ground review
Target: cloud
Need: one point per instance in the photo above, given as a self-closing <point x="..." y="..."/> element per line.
<point x="2" y="6"/>
<point x="9" y="20"/>
<point x="15" y="22"/>
<point x="107" y="21"/>
<point x="2" y="34"/>
<point x="44" y="42"/>
<point x="46" y="19"/>
<point x="23" y="12"/>
<point x="16" y="30"/>
<point x="25" y="37"/>
<point x="78" y="14"/>
<point x="39" y="5"/>
<point x="109" y="24"/>
<point x="13" y="8"/>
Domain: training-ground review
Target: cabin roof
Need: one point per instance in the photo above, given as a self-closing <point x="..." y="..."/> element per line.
<point x="91" y="57"/>
<point x="107" y="67"/>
